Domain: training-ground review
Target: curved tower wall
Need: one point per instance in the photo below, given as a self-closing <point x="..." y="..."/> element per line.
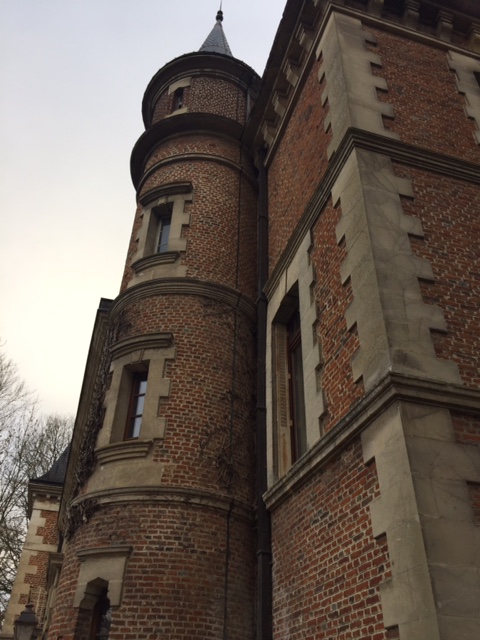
<point x="164" y="520"/>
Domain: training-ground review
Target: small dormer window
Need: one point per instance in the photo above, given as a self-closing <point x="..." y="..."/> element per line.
<point x="178" y="99"/>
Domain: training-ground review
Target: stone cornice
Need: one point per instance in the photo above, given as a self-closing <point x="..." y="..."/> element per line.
<point x="114" y="549"/>
<point x="144" y="341"/>
<point x="192" y="157"/>
<point x="125" y="450"/>
<point x="393" y="388"/>
<point x="170" y="189"/>
<point x="170" y="495"/>
<point x="398" y="152"/>
<point x="180" y="125"/>
<point x="169" y="257"/>
<point x="185" y="287"/>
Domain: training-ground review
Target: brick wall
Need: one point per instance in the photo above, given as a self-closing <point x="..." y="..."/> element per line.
<point x="428" y="110"/>
<point x="298" y="164"/>
<point x="175" y="579"/>
<point x="327" y="565"/>
<point x="337" y="344"/>
<point x="448" y="210"/>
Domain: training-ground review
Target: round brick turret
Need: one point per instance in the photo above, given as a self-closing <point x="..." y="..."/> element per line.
<point x="162" y="524"/>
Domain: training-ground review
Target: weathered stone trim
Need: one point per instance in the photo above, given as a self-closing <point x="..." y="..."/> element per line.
<point x="407" y="599"/>
<point x="171" y="495"/>
<point x="351" y="87"/>
<point x="392" y="320"/>
<point x="148" y="263"/>
<point x="391" y="389"/>
<point x="158" y="259"/>
<point x="105" y="563"/>
<point x="445" y="25"/>
<point x="119" y="549"/>
<point x="184" y="287"/>
<point x="132" y="355"/>
<point x="145" y="341"/>
<point x="424" y="509"/>
<point x="465" y="68"/>
<point x="179" y="84"/>
<point x="169" y="189"/>
<point x="299" y="271"/>
<point x="123" y="451"/>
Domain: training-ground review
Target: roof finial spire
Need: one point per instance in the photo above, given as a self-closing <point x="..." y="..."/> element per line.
<point x="216" y="41"/>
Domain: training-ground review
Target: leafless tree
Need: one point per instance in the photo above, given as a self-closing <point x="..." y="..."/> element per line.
<point x="29" y="445"/>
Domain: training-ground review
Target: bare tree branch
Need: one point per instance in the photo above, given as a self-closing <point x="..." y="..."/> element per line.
<point x="29" y="445"/>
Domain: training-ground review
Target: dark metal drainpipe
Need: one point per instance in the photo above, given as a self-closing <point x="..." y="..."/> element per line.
<point x="264" y="551"/>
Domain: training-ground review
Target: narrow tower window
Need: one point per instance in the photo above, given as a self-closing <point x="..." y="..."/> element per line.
<point x="137" y="403"/>
<point x="178" y="97"/>
<point x="160" y="228"/>
<point x="163" y="233"/>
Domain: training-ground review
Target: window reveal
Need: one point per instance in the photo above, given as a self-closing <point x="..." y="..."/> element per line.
<point x="288" y="411"/>
<point x="296" y="395"/>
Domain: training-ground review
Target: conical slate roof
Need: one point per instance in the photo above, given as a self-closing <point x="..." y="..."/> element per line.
<point x="216" y="41"/>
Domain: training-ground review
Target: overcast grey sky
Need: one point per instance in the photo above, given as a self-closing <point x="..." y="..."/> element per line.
<point x="72" y="76"/>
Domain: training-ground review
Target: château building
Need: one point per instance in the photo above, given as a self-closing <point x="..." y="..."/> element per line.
<point x="278" y="434"/>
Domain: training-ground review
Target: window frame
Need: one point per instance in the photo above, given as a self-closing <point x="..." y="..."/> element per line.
<point x="163" y="213"/>
<point x="138" y="377"/>
<point x="296" y="387"/>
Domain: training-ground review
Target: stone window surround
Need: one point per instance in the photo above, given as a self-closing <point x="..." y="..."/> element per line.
<point x="99" y="567"/>
<point x="179" y="84"/>
<point x="176" y="195"/>
<point x="466" y="69"/>
<point x="281" y="392"/>
<point x="150" y="351"/>
<point x="299" y="270"/>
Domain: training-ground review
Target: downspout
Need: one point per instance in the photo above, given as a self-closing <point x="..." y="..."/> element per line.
<point x="264" y="551"/>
